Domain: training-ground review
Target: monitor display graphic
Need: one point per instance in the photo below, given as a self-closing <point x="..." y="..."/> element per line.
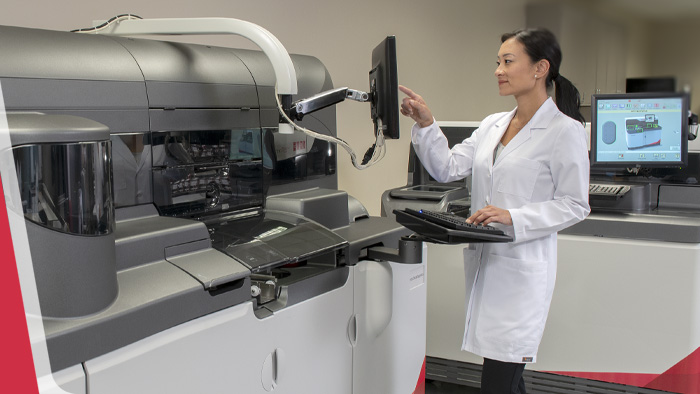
<point x="645" y="130"/>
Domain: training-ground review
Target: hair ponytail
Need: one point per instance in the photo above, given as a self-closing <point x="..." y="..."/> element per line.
<point x="567" y="98"/>
<point x="542" y="44"/>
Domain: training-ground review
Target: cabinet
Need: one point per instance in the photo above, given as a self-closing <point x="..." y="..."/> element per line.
<point x="367" y="336"/>
<point x="593" y="48"/>
<point x="389" y="343"/>
<point x="301" y="349"/>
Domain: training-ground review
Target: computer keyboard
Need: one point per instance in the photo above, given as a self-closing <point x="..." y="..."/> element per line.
<point x="452" y="221"/>
<point x="607" y="190"/>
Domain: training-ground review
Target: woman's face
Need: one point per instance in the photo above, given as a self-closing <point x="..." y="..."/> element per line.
<point x="516" y="71"/>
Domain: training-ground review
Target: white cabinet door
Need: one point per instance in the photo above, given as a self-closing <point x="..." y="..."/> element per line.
<point x="303" y="348"/>
<point x="313" y="351"/>
<point x="390" y="306"/>
<point x="215" y="353"/>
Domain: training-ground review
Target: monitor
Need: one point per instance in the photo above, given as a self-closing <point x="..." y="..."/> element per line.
<point x="384" y="89"/>
<point x="639" y="85"/>
<point x="639" y="130"/>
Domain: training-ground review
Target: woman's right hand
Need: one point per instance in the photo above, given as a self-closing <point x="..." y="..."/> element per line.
<point x="414" y="107"/>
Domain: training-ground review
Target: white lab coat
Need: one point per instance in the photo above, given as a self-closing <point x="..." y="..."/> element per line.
<point x="541" y="177"/>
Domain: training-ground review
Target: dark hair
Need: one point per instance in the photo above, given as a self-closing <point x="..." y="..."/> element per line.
<point x="542" y="44"/>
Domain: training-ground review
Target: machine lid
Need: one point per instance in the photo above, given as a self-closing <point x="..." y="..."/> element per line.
<point x="38" y="128"/>
<point x="180" y="75"/>
<point x="58" y="55"/>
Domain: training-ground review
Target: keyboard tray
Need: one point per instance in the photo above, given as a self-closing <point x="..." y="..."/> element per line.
<point x="441" y="234"/>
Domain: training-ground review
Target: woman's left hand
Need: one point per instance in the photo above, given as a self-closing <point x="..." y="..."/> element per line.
<point x="491" y="214"/>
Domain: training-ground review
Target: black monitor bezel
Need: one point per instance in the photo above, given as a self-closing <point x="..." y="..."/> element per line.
<point x="595" y="163"/>
<point x="384" y="89"/>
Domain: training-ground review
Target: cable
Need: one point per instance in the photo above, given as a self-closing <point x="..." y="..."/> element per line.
<point x="378" y="150"/>
<point x="114" y="19"/>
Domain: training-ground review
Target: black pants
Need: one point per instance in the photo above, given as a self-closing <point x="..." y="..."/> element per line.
<point x="498" y="377"/>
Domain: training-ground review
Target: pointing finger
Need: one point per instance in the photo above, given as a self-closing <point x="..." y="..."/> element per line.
<point x="409" y="92"/>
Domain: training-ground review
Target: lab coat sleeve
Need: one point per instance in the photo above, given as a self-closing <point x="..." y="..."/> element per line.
<point x="570" y="170"/>
<point x="441" y="162"/>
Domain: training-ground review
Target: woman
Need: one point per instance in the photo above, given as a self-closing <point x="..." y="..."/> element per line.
<point x="530" y="174"/>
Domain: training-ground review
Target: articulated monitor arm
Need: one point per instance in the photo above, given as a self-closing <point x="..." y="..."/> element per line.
<point x="325" y="99"/>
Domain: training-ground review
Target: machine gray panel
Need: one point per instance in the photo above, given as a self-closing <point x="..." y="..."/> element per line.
<point x="323" y="281"/>
<point x="325" y="206"/>
<point x="312" y="76"/>
<point x="210" y="267"/>
<point x="679" y="197"/>
<point x="203" y="119"/>
<point x="326" y="182"/>
<point x="269" y="118"/>
<point x="38" y="94"/>
<point x="144" y="240"/>
<point x="118" y="121"/>
<point x="670" y="227"/>
<point x="38" y="128"/>
<point x="200" y="95"/>
<point x="172" y="61"/>
<point x="74" y="275"/>
<point x="152" y="298"/>
<point x="135" y="212"/>
<point x="259" y="65"/>
<point x="372" y="231"/>
<point x="35" y="53"/>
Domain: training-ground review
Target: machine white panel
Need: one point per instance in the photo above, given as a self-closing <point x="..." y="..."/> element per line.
<point x="619" y="305"/>
<point x="390" y="305"/>
<point x="623" y="306"/>
<point x="301" y="349"/>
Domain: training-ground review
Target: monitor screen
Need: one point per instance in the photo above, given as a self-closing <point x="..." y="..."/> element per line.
<point x="639" y="130"/>
<point x="384" y="89"/>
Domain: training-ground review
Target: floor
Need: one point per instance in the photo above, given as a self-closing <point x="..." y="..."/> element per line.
<point x="435" y="387"/>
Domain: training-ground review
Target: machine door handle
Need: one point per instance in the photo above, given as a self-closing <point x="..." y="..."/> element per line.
<point x="352" y="330"/>
<point x="271" y="369"/>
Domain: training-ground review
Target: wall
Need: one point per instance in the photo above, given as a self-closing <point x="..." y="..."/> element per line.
<point x="673" y="51"/>
<point x="446" y="51"/>
<point x="660" y="44"/>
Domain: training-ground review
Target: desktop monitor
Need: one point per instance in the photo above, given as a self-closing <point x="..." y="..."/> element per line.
<point x="639" y="130"/>
<point x="384" y="89"/>
<point x="640" y="85"/>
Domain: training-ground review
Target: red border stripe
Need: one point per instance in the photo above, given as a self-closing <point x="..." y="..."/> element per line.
<point x="684" y="377"/>
<point x="16" y="366"/>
